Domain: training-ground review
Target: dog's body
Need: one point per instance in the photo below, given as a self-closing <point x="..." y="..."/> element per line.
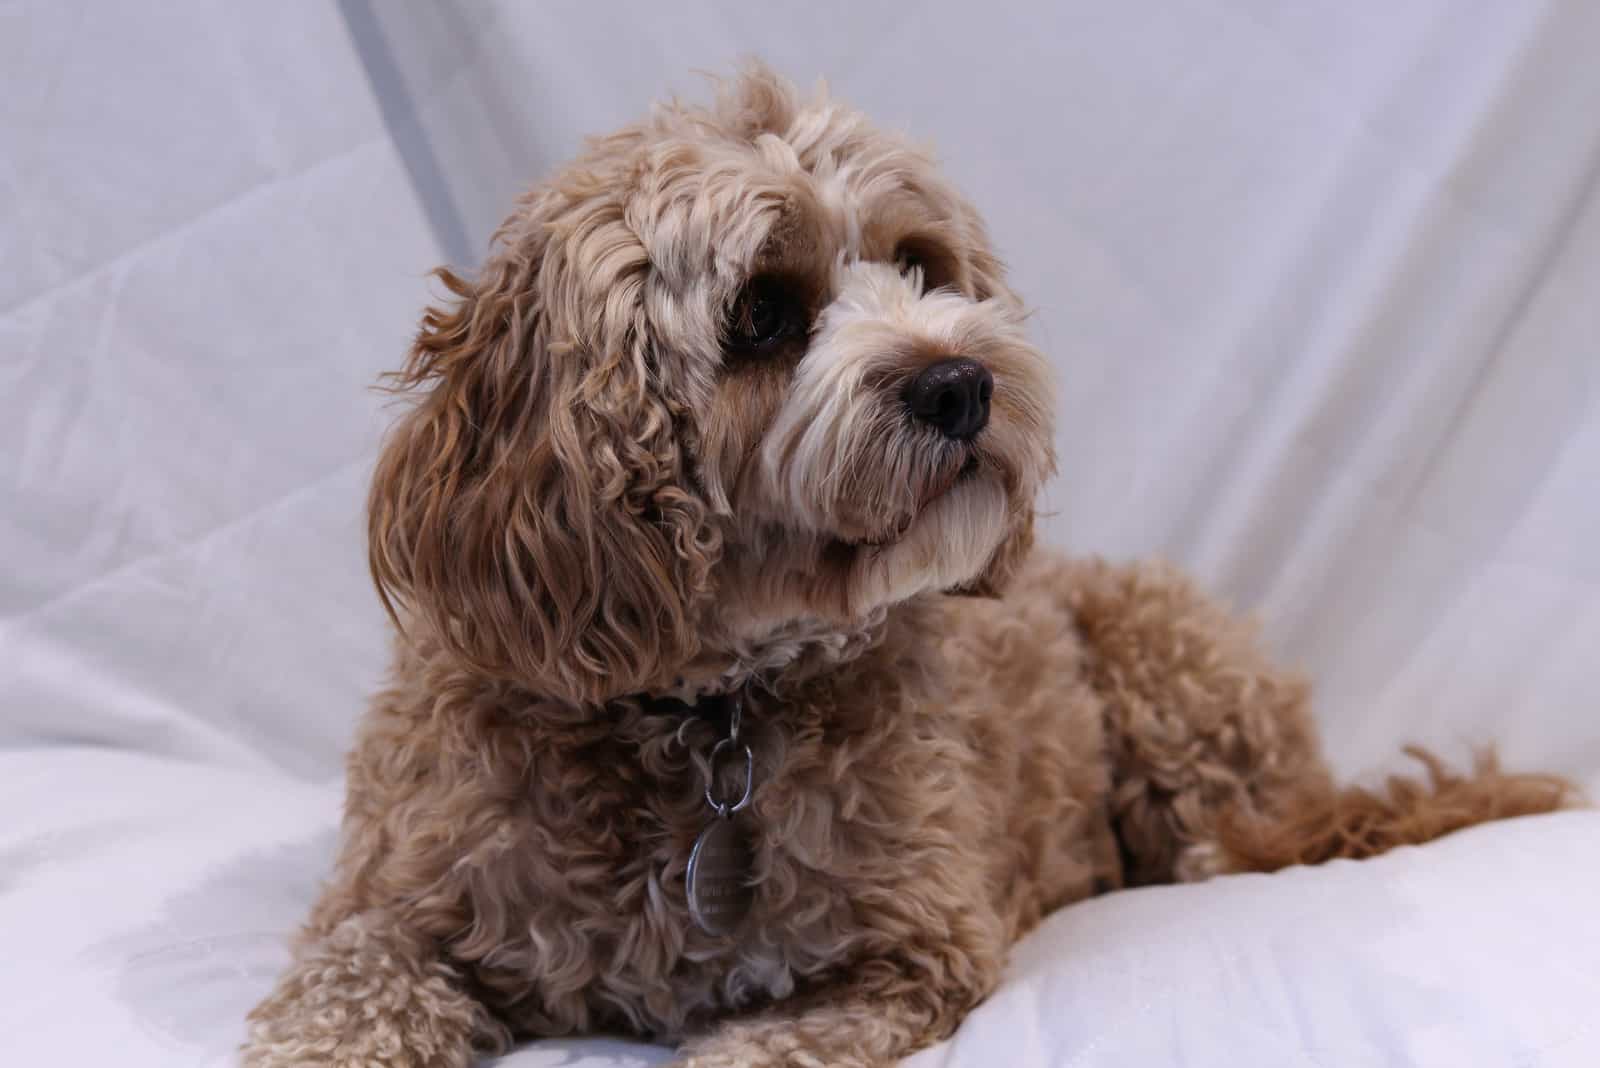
<point x="691" y="434"/>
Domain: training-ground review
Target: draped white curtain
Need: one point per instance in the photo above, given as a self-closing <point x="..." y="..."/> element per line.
<point x="1320" y="280"/>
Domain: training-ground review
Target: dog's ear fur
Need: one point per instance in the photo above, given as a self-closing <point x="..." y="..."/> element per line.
<point x="532" y="511"/>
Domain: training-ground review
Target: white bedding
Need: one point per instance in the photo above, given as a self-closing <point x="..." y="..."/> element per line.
<point x="1319" y="279"/>
<point x="147" y="900"/>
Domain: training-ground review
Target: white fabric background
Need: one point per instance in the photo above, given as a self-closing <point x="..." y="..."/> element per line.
<point x="1320" y="280"/>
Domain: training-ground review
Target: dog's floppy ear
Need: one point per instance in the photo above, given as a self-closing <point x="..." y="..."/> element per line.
<point x="532" y="513"/>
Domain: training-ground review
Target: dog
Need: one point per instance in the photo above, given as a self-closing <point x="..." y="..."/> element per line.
<point x="731" y="705"/>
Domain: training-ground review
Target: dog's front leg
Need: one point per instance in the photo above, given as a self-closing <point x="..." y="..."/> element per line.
<point x="367" y="993"/>
<point x="860" y="1027"/>
<point x="884" y="1010"/>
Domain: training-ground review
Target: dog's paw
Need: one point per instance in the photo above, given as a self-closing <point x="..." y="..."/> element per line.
<point x="1199" y="861"/>
<point x="737" y="1054"/>
<point x="792" y="1059"/>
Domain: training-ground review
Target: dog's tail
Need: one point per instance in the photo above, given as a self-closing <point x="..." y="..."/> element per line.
<point x="1354" y="821"/>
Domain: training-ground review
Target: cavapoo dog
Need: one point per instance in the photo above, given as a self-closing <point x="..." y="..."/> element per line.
<point x="731" y="705"/>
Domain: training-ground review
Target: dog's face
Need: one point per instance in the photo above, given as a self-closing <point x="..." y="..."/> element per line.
<point x="737" y="375"/>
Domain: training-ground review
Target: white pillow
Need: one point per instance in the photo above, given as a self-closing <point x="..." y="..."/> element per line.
<point x="145" y="906"/>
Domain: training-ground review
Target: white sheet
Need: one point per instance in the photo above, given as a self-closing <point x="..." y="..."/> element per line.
<point x="211" y="251"/>
<point x="147" y="902"/>
<point x="1319" y="280"/>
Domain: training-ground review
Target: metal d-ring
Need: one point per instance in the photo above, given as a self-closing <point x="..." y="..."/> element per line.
<point x="722" y="808"/>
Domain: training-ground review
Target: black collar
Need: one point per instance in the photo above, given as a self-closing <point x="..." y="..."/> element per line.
<point x="714" y="708"/>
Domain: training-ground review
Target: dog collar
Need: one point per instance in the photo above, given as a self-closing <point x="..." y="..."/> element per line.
<point x="715" y="709"/>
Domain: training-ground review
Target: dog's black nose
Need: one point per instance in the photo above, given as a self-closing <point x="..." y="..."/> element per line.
<point x="952" y="395"/>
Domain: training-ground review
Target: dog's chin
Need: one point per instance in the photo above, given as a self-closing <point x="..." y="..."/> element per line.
<point x="968" y="471"/>
<point x="946" y="545"/>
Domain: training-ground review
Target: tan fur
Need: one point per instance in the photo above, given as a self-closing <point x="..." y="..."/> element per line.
<point x="1357" y="822"/>
<point x="596" y="504"/>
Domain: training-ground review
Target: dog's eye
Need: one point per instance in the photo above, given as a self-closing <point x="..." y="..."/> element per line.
<point x="939" y="269"/>
<point x="766" y="319"/>
<point x="766" y="315"/>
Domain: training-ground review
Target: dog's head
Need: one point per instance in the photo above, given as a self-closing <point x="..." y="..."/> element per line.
<point x="737" y="375"/>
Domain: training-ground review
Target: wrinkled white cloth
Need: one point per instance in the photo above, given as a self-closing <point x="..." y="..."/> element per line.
<point x="145" y="905"/>
<point x="1318" y="281"/>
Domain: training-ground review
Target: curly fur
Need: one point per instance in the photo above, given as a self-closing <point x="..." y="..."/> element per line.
<point x="596" y="505"/>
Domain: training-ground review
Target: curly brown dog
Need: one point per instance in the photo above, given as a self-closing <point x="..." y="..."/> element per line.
<point x="721" y="475"/>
